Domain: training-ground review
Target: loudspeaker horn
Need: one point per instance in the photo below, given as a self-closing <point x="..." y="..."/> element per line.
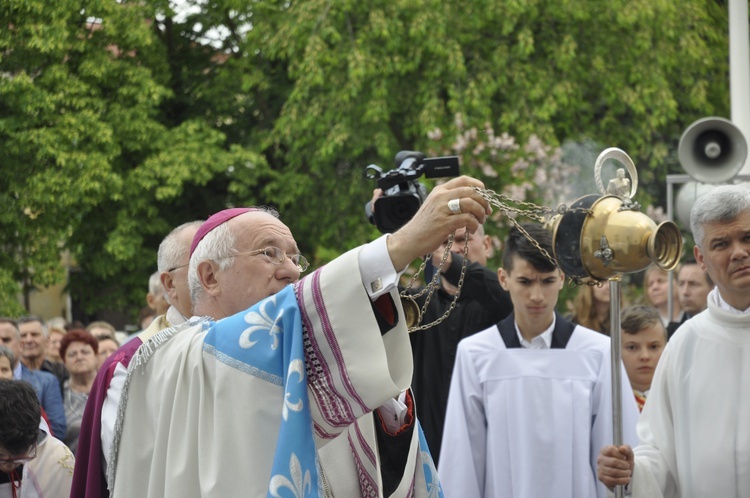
<point x="712" y="150"/>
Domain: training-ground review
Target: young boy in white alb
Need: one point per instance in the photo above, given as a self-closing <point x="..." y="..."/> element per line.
<point x="530" y="401"/>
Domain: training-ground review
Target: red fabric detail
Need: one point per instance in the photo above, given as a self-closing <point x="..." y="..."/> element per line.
<point x="408" y="420"/>
<point x="15" y="482"/>
<point x="385" y="308"/>
<point x="44" y="416"/>
<point x="640" y="401"/>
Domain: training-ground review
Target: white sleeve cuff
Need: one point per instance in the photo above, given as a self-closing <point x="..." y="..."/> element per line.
<point x="393" y="412"/>
<point x="376" y="268"/>
<point x="109" y="411"/>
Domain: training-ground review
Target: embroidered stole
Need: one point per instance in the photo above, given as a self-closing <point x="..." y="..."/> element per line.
<point x="267" y="342"/>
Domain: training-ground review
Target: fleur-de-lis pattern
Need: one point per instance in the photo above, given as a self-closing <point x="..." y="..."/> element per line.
<point x="261" y="320"/>
<point x="300" y="483"/>
<point x="296" y="367"/>
<point x="266" y="342"/>
<point x="432" y="481"/>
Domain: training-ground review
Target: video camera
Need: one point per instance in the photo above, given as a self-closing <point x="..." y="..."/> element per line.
<point x="402" y="193"/>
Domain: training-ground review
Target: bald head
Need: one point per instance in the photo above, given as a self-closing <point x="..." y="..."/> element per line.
<point x="479" y="245"/>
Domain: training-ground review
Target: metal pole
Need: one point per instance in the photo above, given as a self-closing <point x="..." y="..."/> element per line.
<point x="670" y="280"/>
<point x="739" y="69"/>
<point x="614" y="333"/>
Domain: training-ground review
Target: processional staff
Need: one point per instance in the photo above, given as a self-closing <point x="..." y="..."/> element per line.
<point x="605" y="236"/>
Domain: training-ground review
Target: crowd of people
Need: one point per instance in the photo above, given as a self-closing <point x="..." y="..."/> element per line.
<point x="254" y="380"/>
<point x="59" y="363"/>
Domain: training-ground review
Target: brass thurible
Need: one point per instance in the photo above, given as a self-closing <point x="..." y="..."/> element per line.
<point x="603" y="236"/>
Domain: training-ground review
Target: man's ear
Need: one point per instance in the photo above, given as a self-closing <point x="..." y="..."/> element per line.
<point x="167" y="283"/>
<point x="562" y="280"/>
<point x="698" y="254"/>
<point x="503" y="277"/>
<point x="487" y="244"/>
<point x="207" y="271"/>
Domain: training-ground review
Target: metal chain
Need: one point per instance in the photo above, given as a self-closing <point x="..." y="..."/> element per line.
<point x="541" y="214"/>
<point x="538" y="213"/>
<point x="455" y="297"/>
<point x="433" y="285"/>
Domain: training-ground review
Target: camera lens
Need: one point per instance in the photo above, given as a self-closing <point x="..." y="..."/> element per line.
<point x="395" y="211"/>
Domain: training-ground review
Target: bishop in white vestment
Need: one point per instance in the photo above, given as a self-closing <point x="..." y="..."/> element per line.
<point x="253" y="406"/>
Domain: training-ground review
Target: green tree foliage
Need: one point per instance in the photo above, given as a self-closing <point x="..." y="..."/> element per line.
<point x="90" y="161"/>
<point x="112" y="133"/>
<point x="368" y="79"/>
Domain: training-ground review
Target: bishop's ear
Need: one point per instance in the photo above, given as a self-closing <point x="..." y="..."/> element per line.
<point x="207" y="274"/>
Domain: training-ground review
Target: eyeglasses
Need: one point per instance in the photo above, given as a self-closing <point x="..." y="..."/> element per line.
<point x="15" y="461"/>
<point x="276" y="256"/>
<point x="177" y="267"/>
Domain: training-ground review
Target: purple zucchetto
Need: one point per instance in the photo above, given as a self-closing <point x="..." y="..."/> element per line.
<point x="214" y="221"/>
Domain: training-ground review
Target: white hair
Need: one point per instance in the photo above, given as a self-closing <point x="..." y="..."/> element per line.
<point x="171" y="251"/>
<point x="721" y="205"/>
<point x="154" y="284"/>
<point x="218" y="246"/>
<point x="5" y="351"/>
<point x="170" y="255"/>
<point x="34" y="318"/>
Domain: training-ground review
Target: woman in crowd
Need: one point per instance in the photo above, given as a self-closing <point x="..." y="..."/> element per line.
<point x="53" y="343"/>
<point x="107" y="346"/>
<point x="79" y="350"/>
<point x="591" y="307"/>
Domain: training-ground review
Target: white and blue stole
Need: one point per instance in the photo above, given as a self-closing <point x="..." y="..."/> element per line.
<point x="267" y="342"/>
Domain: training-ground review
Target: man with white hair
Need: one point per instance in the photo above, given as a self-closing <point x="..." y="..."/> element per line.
<point x="155" y="298"/>
<point x="97" y="424"/>
<point x="296" y="393"/>
<point x="694" y="431"/>
<point x="173" y="260"/>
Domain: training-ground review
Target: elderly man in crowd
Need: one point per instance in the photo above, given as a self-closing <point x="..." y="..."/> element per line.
<point x="99" y="417"/>
<point x="306" y="392"/>
<point x="34" y="345"/>
<point x="693" y="432"/>
<point x="45" y="384"/>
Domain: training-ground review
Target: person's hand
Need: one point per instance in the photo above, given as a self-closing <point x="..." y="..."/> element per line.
<point x="615" y="465"/>
<point x="435" y="220"/>
<point x="376" y="194"/>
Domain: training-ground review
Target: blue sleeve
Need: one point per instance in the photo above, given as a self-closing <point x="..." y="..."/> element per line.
<point x="53" y="405"/>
